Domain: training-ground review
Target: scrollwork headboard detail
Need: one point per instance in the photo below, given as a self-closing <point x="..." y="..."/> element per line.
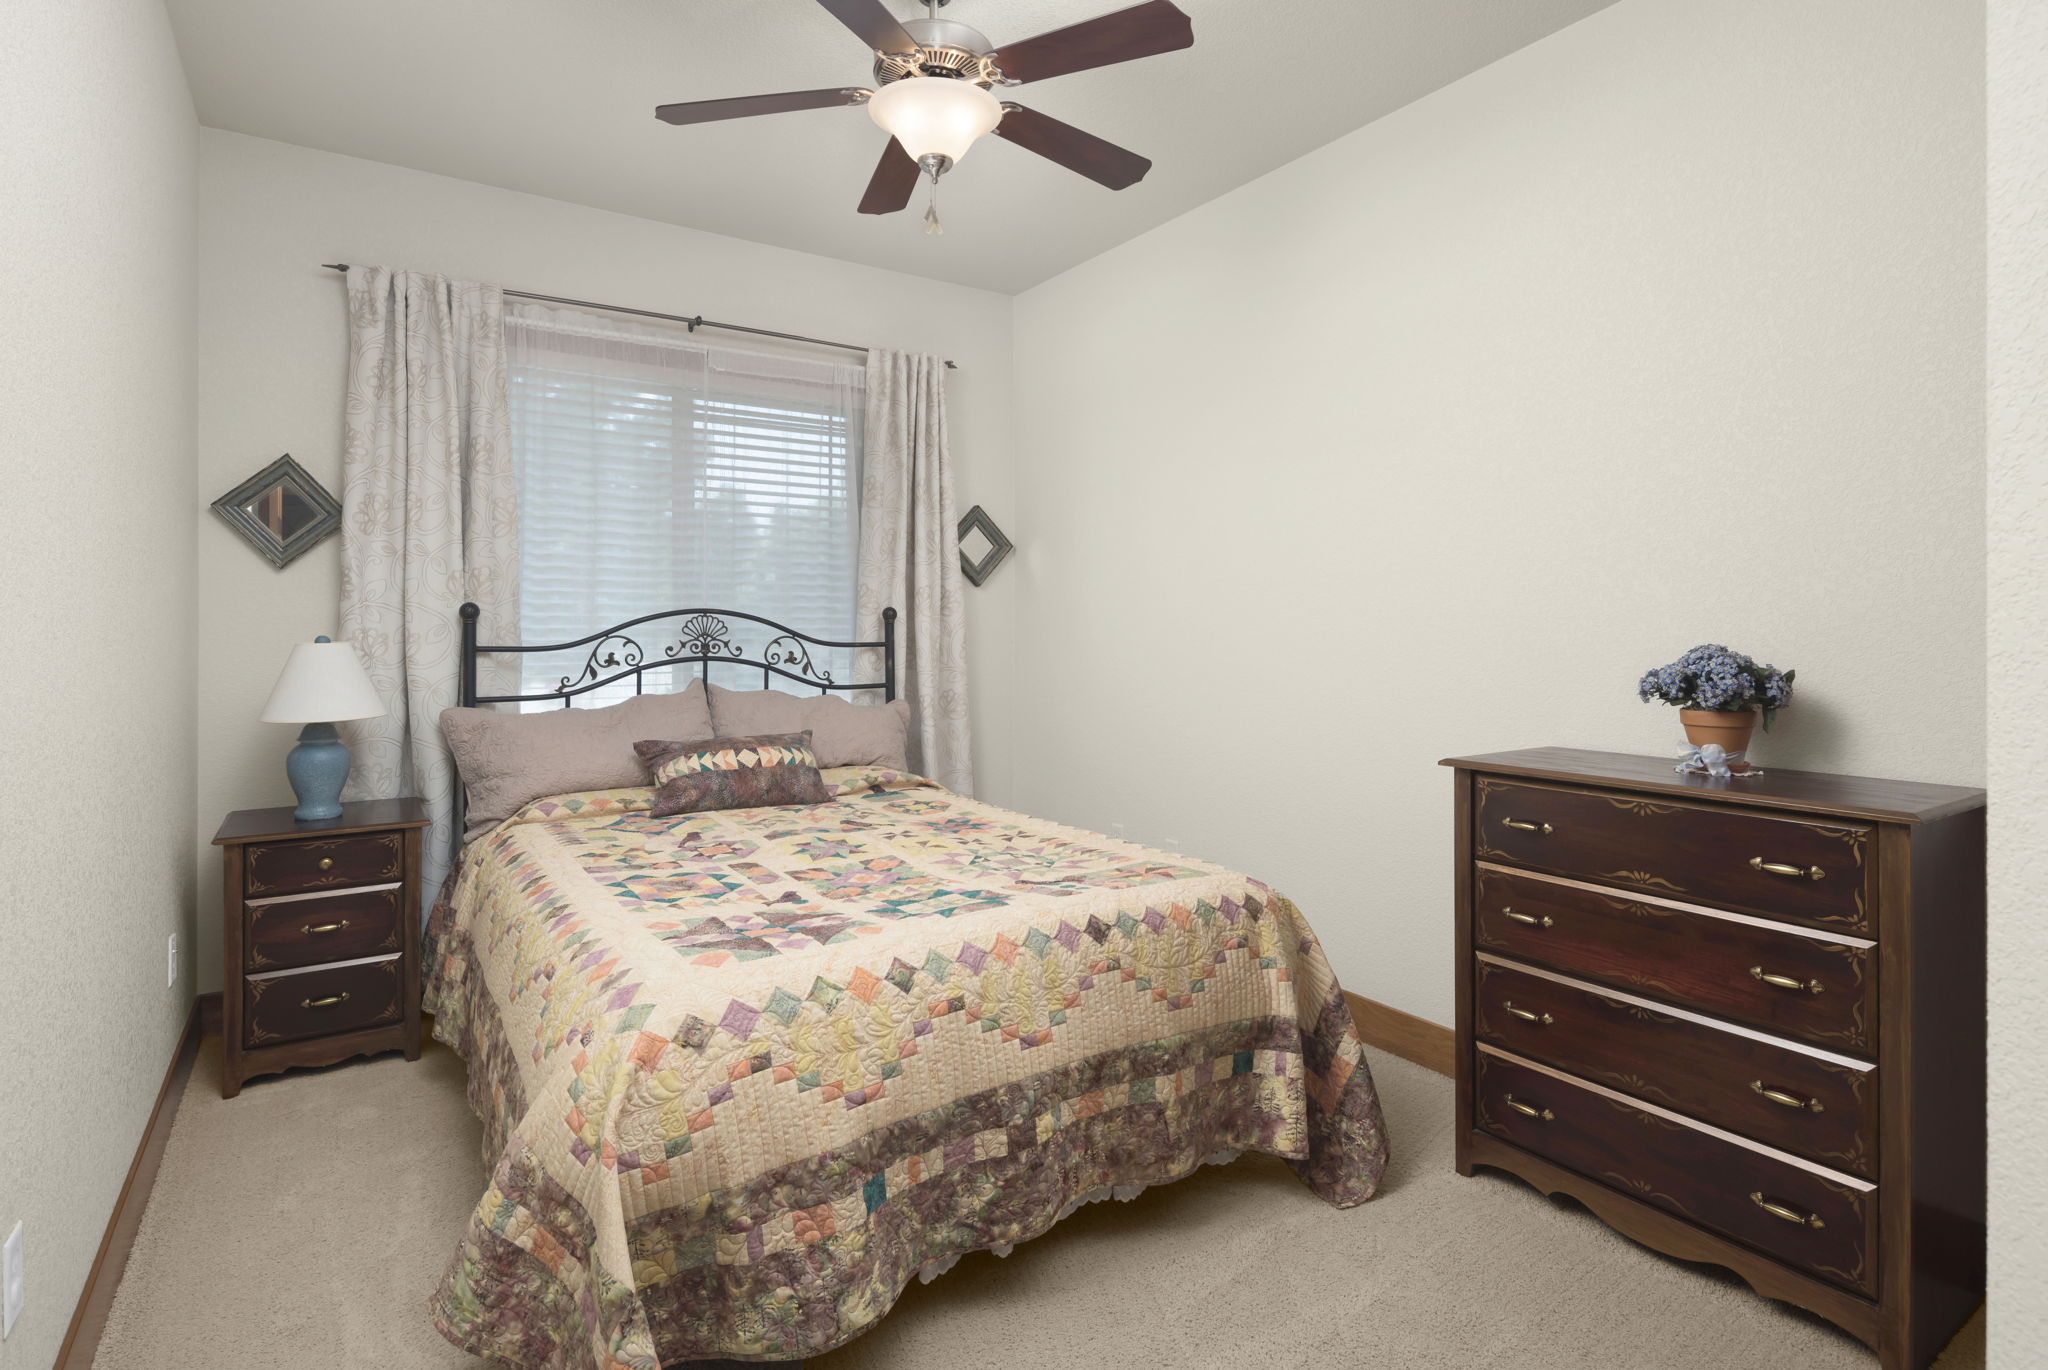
<point x="684" y="637"/>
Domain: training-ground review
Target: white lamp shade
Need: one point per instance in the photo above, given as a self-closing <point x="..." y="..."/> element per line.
<point x="322" y="682"/>
<point x="935" y="115"/>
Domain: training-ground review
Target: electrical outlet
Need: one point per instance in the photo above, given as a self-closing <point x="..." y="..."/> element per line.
<point x="1117" y="831"/>
<point x="10" y="1281"/>
<point x="171" y="975"/>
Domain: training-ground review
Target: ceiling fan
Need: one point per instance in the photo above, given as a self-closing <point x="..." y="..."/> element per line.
<point x="933" y="98"/>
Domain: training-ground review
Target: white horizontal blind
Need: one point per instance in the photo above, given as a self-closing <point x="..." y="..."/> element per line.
<point x="659" y="472"/>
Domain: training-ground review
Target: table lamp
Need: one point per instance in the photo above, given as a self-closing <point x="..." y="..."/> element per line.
<point x="322" y="684"/>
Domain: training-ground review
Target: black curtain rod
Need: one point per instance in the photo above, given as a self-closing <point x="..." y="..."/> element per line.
<point x="695" y="323"/>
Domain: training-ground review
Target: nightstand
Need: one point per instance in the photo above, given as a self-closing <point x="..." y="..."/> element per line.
<point x="320" y="936"/>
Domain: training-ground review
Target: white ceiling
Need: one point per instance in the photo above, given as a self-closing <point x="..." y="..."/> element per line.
<point x="556" y="97"/>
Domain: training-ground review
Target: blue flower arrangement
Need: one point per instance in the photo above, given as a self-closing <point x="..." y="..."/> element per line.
<point x="1712" y="677"/>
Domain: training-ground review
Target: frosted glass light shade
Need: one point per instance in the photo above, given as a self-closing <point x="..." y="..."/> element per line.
<point x="935" y="115"/>
<point x="322" y="682"/>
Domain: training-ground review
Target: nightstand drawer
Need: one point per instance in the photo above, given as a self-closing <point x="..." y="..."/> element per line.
<point x="1823" y="1223"/>
<point x="1805" y="985"/>
<point x="307" y="930"/>
<point x="318" y="863"/>
<point x="319" y="1003"/>
<point x="1822" y="1107"/>
<point x="1773" y="867"/>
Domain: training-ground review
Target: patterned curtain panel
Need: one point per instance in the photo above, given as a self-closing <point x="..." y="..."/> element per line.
<point x="429" y="519"/>
<point x="910" y="557"/>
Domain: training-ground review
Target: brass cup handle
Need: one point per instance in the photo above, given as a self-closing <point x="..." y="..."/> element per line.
<point x="1531" y="919"/>
<point x="1780" y="868"/>
<point x="1527" y="1110"/>
<point x="310" y="929"/>
<point x="1785" y="981"/>
<point x="326" y="863"/>
<point x="1779" y="1096"/>
<point x="1541" y="1019"/>
<point x="1520" y="826"/>
<point x="1790" y="1215"/>
<point x="329" y="1002"/>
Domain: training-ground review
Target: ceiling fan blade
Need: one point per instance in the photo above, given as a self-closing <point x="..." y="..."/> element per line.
<point x="1099" y="160"/>
<point x="875" y="26"/>
<point x="895" y="177"/>
<point x="741" y="106"/>
<point x="1141" y="31"/>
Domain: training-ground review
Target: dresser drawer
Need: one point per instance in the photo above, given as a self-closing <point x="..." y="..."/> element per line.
<point x="318" y="863"/>
<point x="307" y="930"/>
<point x="1773" y="867"/>
<point x="1822" y="1109"/>
<point x="1823" y="1224"/>
<point x="1802" y="985"/>
<point x="319" y="1003"/>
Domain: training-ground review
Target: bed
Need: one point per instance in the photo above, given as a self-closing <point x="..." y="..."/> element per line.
<point x="743" y="1074"/>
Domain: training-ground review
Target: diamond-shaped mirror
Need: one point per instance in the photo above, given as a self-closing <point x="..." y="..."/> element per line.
<point x="280" y="511"/>
<point x="982" y="545"/>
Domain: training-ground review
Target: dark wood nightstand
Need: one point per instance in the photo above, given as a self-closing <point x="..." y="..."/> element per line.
<point x="320" y="935"/>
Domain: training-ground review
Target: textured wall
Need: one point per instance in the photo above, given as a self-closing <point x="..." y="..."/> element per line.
<point x="1666" y="329"/>
<point x="272" y="359"/>
<point x="96" y="180"/>
<point x="2018" y="516"/>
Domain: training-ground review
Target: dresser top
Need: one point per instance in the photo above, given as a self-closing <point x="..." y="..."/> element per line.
<point x="362" y="815"/>
<point x="1845" y="796"/>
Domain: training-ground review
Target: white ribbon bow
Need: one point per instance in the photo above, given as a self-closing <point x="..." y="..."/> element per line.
<point x="1711" y="759"/>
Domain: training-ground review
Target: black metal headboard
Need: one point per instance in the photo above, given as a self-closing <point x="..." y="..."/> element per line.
<point x="703" y="636"/>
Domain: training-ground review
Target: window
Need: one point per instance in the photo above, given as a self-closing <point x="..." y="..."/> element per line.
<point x="658" y="472"/>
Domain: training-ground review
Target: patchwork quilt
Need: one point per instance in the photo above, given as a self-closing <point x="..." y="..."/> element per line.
<point x="744" y="1073"/>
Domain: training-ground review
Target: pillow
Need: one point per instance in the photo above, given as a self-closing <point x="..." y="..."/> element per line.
<point x="842" y="733"/>
<point x="733" y="773"/>
<point x="509" y="760"/>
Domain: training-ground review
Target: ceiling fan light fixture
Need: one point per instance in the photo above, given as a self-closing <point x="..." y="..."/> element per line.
<point x="935" y="117"/>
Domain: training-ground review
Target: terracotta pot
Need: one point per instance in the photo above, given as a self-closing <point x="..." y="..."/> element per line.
<point x="1731" y="730"/>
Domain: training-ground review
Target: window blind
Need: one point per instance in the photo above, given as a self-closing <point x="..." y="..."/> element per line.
<point x="660" y="472"/>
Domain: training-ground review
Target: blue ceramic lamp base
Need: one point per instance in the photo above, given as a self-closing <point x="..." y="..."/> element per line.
<point x="318" y="768"/>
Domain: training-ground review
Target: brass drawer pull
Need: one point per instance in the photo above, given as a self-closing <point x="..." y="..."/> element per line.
<point x="1779" y="1096"/>
<point x="1790" y="1215"/>
<point x="326" y="863"/>
<point x="312" y="928"/>
<point x="1542" y="1114"/>
<point x="1785" y="981"/>
<point x="329" y="1002"/>
<point x="1541" y="1019"/>
<point x="1779" y="868"/>
<point x="1520" y="826"/>
<point x="1531" y="919"/>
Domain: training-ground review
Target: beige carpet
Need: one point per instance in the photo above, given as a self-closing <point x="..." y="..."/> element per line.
<point x="302" y="1225"/>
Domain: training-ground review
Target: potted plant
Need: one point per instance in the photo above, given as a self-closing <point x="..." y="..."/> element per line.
<point x="1719" y="694"/>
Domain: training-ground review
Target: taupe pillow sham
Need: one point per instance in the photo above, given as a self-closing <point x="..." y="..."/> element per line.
<point x="509" y="760"/>
<point x="842" y="733"/>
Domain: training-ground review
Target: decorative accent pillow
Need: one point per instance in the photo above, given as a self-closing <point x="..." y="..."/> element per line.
<point x="733" y="773"/>
<point x="843" y="733"/>
<point x="508" y="760"/>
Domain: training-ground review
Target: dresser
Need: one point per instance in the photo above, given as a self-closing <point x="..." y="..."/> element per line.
<point x="1739" y="1019"/>
<point x="320" y="935"/>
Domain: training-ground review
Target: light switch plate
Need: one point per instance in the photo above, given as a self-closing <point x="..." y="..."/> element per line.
<point x="171" y="975"/>
<point x="10" y="1281"/>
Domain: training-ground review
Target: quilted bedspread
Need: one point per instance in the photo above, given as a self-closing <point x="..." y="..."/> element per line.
<point x="743" y="1074"/>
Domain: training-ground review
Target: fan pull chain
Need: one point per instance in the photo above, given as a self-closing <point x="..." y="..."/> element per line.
<point x="931" y="212"/>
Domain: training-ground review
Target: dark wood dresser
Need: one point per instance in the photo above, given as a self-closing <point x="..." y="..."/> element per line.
<point x="1741" y="1020"/>
<point x="320" y="936"/>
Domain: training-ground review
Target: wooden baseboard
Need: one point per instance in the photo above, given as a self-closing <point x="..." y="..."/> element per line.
<point x="89" y="1319"/>
<point x="1427" y="1044"/>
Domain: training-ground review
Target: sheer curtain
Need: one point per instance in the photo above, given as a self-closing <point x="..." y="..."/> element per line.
<point x="657" y="471"/>
<point x="429" y="519"/>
